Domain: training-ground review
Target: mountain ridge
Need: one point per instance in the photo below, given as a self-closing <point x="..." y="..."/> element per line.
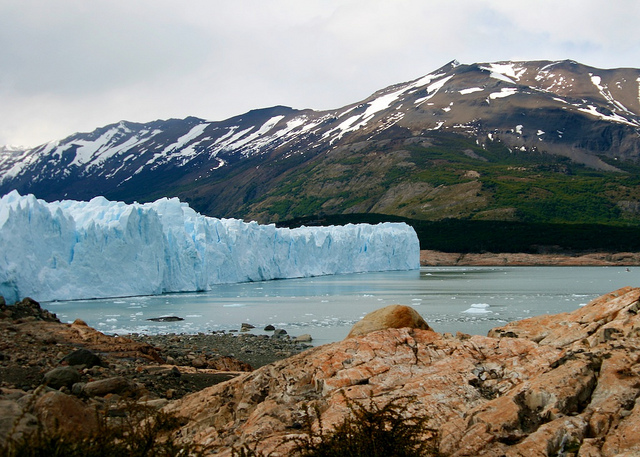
<point x="559" y="112"/>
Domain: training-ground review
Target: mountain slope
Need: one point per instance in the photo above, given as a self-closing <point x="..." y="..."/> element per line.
<point x="435" y="147"/>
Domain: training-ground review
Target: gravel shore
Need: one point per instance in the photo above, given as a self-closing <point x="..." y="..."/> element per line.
<point x="34" y="342"/>
<point x="196" y="350"/>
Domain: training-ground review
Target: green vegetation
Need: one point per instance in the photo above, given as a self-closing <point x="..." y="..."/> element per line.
<point x="465" y="197"/>
<point x="529" y="186"/>
<point x="455" y="235"/>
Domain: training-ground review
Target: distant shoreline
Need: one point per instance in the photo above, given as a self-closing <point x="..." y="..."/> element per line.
<point x="438" y="258"/>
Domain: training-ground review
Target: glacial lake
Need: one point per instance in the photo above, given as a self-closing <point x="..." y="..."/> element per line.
<point x="451" y="299"/>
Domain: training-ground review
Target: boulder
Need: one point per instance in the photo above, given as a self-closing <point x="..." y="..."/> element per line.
<point x="269" y="328"/>
<point x="83" y="357"/>
<point x="65" y="413"/>
<point x="225" y="363"/>
<point x="14" y="421"/>
<point x="166" y="319"/>
<point x="393" y="316"/>
<point x="245" y="327"/>
<point x="27" y="309"/>
<point x="199" y="362"/>
<point x="116" y="385"/>
<point x="306" y="338"/>
<point x="61" y="377"/>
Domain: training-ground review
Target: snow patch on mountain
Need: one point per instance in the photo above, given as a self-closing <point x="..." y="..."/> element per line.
<point x="13" y="162"/>
<point x="504" y="92"/>
<point x="433" y="89"/>
<point x="604" y="91"/>
<point x="185" y="139"/>
<point x="470" y="90"/>
<point x="613" y="117"/>
<point x="262" y="130"/>
<point x="509" y="72"/>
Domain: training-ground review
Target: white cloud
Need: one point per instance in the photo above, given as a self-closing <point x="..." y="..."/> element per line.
<point x="74" y="65"/>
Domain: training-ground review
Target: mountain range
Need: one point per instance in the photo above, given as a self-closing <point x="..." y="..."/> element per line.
<point x="537" y="141"/>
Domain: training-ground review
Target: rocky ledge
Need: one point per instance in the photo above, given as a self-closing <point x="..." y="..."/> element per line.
<point x="438" y="258"/>
<point x="566" y="384"/>
<point x="61" y="373"/>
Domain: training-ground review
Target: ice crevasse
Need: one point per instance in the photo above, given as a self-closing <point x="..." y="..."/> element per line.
<point x="68" y="250"/>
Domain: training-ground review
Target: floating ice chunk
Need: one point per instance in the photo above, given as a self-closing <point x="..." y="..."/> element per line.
<point x="478" y="308"/>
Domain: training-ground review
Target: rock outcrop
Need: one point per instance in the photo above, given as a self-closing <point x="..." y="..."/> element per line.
<point x="551" y="385"/>
<point x="438" y="258"/>
<point x="393" y="316"/>
<point x="59" y="377"/>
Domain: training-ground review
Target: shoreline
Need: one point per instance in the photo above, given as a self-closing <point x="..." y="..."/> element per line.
<point x="33" y="342"/>
<point x="489" y="259"/>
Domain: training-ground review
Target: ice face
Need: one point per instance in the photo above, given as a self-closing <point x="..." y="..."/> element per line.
<point x="74" y="250"/>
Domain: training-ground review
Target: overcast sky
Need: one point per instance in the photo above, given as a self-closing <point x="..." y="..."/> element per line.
<point x="74" y="65"/>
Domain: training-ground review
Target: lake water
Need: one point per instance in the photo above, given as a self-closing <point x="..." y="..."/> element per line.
<point x="467" y="299"/>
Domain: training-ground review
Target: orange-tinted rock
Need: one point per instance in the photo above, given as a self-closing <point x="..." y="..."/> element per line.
<point x="65" y="413"/>
<point x="545" y="386"/>
<point x="394" y="316"/>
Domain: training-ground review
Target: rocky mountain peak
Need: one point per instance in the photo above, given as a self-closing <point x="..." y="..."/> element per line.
<point x="561" y="108"/>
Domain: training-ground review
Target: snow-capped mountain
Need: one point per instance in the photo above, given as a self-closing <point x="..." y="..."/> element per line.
<point x="589" y="115"/>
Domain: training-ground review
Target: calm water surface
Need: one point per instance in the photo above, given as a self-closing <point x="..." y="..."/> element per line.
<point x="467" y="299"/>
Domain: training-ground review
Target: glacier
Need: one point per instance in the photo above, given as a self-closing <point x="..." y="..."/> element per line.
<point x="68" y="250"/>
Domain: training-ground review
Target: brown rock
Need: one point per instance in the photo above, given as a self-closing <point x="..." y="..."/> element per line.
<point x="61" y="377"/>
<point x="116" y="385"/>
<point x="305" y="338"/>
<point x="394" y="316"/>
<point x="27" y="310"/>
<point x="224" y="363"/>
<point x="82" y="357"/>
<point x="544" y="386"/>
<point x="14" y="421"/>
<point x="65" y="413"/>
<point x="199" y="362"/>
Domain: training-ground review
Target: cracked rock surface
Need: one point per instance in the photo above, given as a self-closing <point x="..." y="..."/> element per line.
<point x="565" y="384"/>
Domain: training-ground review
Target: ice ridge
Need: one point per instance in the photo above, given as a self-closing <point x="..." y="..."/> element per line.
<point x="70" y="250"/>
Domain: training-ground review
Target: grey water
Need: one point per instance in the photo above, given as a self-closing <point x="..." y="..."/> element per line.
<point x="466" y="299"/>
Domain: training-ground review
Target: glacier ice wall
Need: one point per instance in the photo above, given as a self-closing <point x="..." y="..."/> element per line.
<point x="74" y="250"/>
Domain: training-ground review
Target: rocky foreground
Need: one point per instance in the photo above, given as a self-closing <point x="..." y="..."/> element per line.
<point x="62" y="373"/>
<point x="565" y="384"/>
